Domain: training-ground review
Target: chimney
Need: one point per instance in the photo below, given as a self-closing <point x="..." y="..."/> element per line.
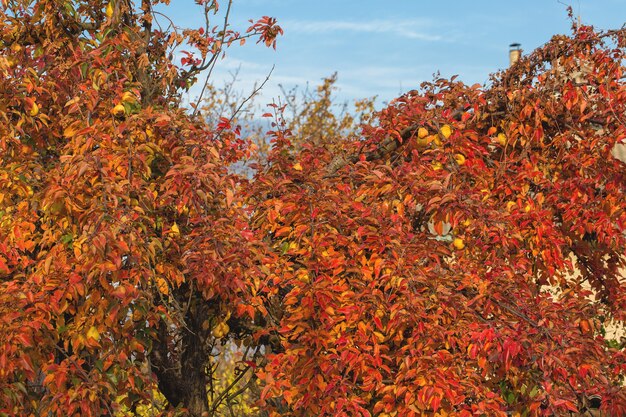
<point x="514" y="53"/>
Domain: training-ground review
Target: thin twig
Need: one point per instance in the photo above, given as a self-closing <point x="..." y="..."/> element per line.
<point x="254" y="93"/>
<point x="523" y="317"/>
<point x="224" y="393"/>
<point x="213" y="60"/>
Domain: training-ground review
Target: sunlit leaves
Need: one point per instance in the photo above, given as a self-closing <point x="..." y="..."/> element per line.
<point x="116" y="210"/>
<point x="414" y="267"/>
<point x="268" y="29"/>
<point x="460" y="255"/>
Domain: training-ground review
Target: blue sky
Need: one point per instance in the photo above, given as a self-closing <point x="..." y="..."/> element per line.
<point x="384" y="48"/>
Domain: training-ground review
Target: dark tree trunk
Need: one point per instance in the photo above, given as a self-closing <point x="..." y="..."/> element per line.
<point x="181" y="369"/>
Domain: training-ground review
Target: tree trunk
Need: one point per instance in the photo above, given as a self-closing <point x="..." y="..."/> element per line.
<point x="182" y="377"/>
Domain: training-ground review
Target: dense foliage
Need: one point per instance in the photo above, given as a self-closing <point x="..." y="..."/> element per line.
<point x="123" y="243"/>
<point x="461" y="257"/>
<point x="418" y="261"/>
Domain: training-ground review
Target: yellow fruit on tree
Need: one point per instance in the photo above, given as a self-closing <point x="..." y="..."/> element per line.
<point x="423" y="142"/>
<point x="118" y="110"/>
<point x="220" y="330"/>
<point x="458" y="243"/>
<point x="446" y="131"/>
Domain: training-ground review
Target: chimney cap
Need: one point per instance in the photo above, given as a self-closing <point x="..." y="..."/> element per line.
<point x="514" y="53"/>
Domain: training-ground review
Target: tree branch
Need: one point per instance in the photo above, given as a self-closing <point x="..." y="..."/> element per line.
<point x="386" y="147"/>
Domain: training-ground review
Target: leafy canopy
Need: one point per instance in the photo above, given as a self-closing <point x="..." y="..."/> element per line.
<point x="123" y="242"/>
<point x="461" y="257"/>
<point x="465" y="256"/>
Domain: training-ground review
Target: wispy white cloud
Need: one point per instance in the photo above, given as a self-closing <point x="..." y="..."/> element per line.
<point x="233" y="63"/>
<point x="419" y="29"/>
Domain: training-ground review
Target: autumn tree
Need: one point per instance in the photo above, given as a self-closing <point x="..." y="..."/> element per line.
<point x="312" y="115"/>
<point x="462" y="257"/>
<point x="125" y="256"/>
<point x="404" y="272"/>
<point x="316" y="117"/>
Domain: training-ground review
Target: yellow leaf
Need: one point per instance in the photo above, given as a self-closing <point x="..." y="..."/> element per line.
<point x="458" y="243"/>
<point x="69" y="132"/>
<point x="109" y="10"/>
<point x="72" y="101"/>
<point x="162" y="286"/>
<point x="34" y="110"/>
<point x="459" y="158"/>
<point x="175" y="230"/>
<point x="93" y="333"/>
<point x="46" y="265"/>
<point x="297" y="166"/>
<point x="422" y="132"/>
<point x="129" y="97"/>
<point x="229" y="197"/>
<point x="77" y="248"/>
